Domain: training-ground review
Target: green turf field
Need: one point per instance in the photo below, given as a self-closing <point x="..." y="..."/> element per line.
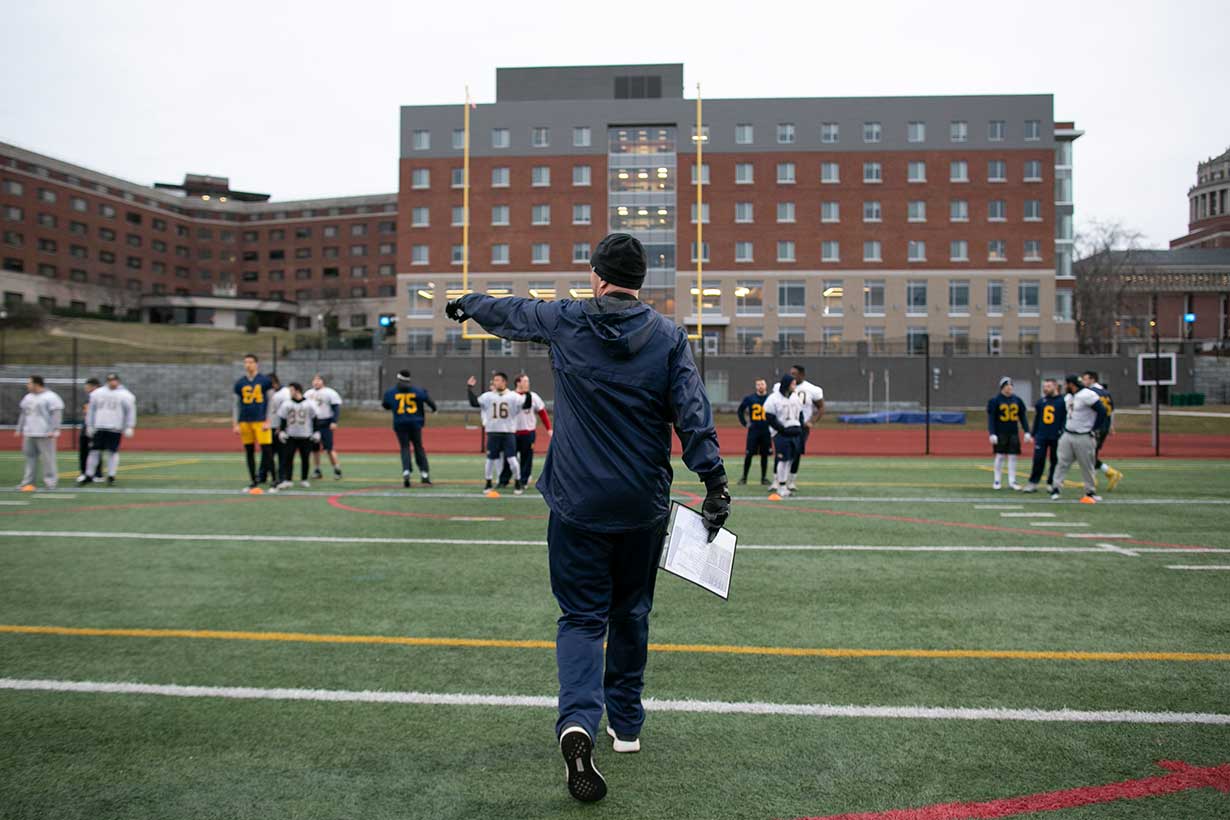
<point x="276" y="593"/>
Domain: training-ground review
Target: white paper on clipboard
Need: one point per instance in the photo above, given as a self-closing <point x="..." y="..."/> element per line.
<point x="689" y="554"/>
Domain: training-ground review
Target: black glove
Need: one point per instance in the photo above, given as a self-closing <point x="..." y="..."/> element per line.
<point x="455" y="311"/>
<point x="716" y="508"/>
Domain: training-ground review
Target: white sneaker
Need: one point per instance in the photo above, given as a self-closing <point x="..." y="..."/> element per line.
<point x="623" y="746"/>
<point x="784" y="492"/>
<point x="1015" y="486"/>
<point x="792" y="488"/>
<point x="83" y="479"/>
<point x="305" y="484"/>
<point x="997" y="485"/>
<point x="585" y="782"/>
<point x="285" y="485"/>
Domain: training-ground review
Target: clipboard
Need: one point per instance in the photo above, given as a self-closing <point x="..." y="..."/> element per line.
<point x="688" y="554"/>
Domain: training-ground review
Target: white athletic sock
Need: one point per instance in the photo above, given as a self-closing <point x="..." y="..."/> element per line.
<point x="91" y="462"/>
<point x="1011" y="469"/>
<point x="793" y="478"/>
<point x="514" y="466"/>
<point x="783" y="473"/>
<point x="490" y="471"/>
<point x="999" y="464"/>
<point x="1105" y="468"/>
<point x="113" y="462"/>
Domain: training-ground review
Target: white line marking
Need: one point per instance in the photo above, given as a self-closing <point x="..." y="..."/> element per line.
<point x="996" y="506"/>
<point x="651" y="704"/>
<point x="1199" y="567"/>
<point x="475" y="518"/>
<point x="1063" y="524"/>
<point x="1105" y="536"/>
<point x="15" y="503"/>
<point x="1027" y="515"/>
<point x="56" y="496"/>
<point x="1120" y="550"/>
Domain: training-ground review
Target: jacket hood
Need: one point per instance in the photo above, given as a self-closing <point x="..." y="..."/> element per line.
<point x="625" y="326"/>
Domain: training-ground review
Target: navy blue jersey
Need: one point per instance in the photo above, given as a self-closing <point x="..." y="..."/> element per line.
<point x="751" y="412"/>
<point x="624" y="376"/>
<point x="408" y="405"/>
<point x="1050" y="414"/>
<point x="254" y="395"/>
<point x="1108" y="403"/>
<point x="1005" y="414"/>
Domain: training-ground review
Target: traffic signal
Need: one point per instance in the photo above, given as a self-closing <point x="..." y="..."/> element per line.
<point x="1189" y="317"/>
<point x="389" y="322"/>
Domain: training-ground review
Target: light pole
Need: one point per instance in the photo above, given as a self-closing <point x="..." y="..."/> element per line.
<point x="4" y="315"/>
<point x="320" y="322"/>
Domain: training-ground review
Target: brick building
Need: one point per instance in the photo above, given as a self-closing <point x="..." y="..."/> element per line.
<point x="1208" y="206"/>
<point x="828" y="222"/>
<point x="196" y="252"/>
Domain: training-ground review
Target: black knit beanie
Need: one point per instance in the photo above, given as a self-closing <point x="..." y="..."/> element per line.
<point x="620" y="260"/>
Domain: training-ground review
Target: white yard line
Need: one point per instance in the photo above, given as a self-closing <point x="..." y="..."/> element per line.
<point x="819" y="710"/>
<point x="1104" y="536"/>
<point x="15" y="503"/>
<point x="1061" y="524"/>
<point x="999" y="506"/>
<point x="1120" y="550"/>
<point x="1199" y="566"/>
<point x="1027" y="515"/>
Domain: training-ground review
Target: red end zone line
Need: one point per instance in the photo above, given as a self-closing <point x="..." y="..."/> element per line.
<point x="960" y="524"/>
<point x="1181" y="778"/>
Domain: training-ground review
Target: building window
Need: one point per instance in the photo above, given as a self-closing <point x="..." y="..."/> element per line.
<point x="785" y="133"/>
<point x="871" y="210"/>
<point x="871" y="251"/>
<point x="704" y="212"/>
<point x="45" y="195"/>
<point x="997" y="170"/>
<point x="459" y="139"/>
<point x="580" y="252"/>
<point x="958" y="250"/>
<point x="704" y="173"/>
<point x="995" y="298"/>
<point x="458" y="216"/>
<point x="329" y="232"/>
<point x="749" y="298"/>
<point x="13" y="187"/>
<point x="581" y="175"/>
<point x="540" y="253"/>
<point x="743" y="212"/>
<point x="540" y="215"/>
<point x="917" y="210"/>
<point x="791" y="298"/>
<point x="917" y="171"/>
<point x="421" y="140"/>
<point x="387" y="248"/>
<point x="499" y="177"/>
<point x="958" y="297"/>
<point x="1028" y="299"/>
<point x="958" y="171"/>
<point x="1063" y="305"/>
<point x="14" y="214"/>
<point x="420" y="217"/>
<point x="831" y="297"/>
<point x="958" y="131"/>
<point x="500" y="138"/>
<point x="743" y="173"/>
<point x="540" y="176"/>
<point x="418" y="255"/>
<point x="749" y="339"/>
<point x="581" y="215"/>
<point x="916" y="132"/>
<point x="830" y="132"/>
<point x="785" y="173"/>
<point x="1029" y="339"/>
<point x="871" y="132"/>
<point x="78" y="204"/>
<point x="1033" y="170"/>
<point x="420" y="178"/>
<point x="785" y="211"/>
<point x="829" y="173"/>
<point x="456" y="254"/>
<point x="790" y="340"/>
<point x="916" y="341"/>
<point x="357" y="229"/>
<point x="958" y="210"/>
<point x="785" y="250"/>
<point x="997" y="251"/>
<point x="997" y="210"/>
<point x="582" y="137"/>
<point x="916" y="250"/>
<point x="540" y="136"/>
<point x="1033" y="210"/>
<point x="743" y="251"/>
<point x="499" y="254"/>
<point x="873" y="297"/>
<point x="457" y="177"/>
<point x="996" y="129"/>
<point x="704" y="249"/>
<point x="830" y="250"/>
<point x="1033" y="130"/>
<point x="829" y="212"/>
<point x="1033" y="250"/>
<point x="872" y="172"/>
<point x="499" y="214"/>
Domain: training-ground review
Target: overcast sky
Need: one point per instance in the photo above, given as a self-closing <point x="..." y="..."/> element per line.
<point x="300" y="99"/>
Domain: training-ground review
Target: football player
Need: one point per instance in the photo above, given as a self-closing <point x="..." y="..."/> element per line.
<point x="112" y="413"/>
<point x="811" y="398"/>
<point x="1050" y="414"/>
<point x="328" y="413"/>
<point x="1090" y="379"/>
<point x="499" y="407"/>
<point x="759" y="437"/>
<point x="785" y="415"/>
<point x="532" y="411"/>
<point x="297" y="433"/>
<point x="407" y="403"/>
<point x="1005" y="413"/>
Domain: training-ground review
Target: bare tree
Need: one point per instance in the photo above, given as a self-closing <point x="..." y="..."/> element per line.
<point x="1106" y="251"/>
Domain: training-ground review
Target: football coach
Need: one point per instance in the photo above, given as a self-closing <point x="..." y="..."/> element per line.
<point x="624" y="375"/>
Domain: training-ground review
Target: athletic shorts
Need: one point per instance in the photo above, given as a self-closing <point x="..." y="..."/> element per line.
<point x="326" y="434"/>
<point x="255" y="432"/>
<point x="759" y="442"/>
<point x="1008" y="445"/>
<point x="786" y="446"/>
<point x="106" y="440"/>
<point x="501" y="444"/>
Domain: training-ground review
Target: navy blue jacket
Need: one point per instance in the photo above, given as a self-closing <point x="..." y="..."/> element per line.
<point x="624" y="375"/>
<point x="407" y="404"/>
<point x="1052" y="430"/>
<point x="1004" y="413"/>
<point x="1108" y="403"/>
<point x="751" y="412"/>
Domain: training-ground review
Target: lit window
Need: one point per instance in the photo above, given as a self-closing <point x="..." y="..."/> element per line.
<point x="831" y="297"/>
<point x="997" y="251"/>
<point x="749" y="298"/>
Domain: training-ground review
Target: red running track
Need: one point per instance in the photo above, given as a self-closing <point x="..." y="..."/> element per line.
<point x="888" y="440"/>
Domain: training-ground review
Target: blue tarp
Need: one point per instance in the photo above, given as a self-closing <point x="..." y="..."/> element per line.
<point x="904" y="417"/>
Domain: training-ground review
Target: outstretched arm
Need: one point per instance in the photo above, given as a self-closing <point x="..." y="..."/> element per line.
<point x="513" y="317"/>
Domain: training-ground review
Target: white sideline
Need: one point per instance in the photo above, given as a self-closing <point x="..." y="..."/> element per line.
<point x="1026" y="514"/>
<point x="480" y="542"/>
<point x="1199" y="566"/>
<point x="651" y="704"/>
<point x="1060" y="524"/>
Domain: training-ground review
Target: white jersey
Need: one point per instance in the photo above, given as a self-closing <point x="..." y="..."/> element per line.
<point x="787" y="410"/>
<point x="299" y="416"/>
<point x="324" y="399"/>
<point x="278" y="399"/>
<point x="807" y="394"/>
<point x="113" y="410"/>
<point x="527" y="420"/>
<point x="41" y="414"/>
<point x="1081" y="415"/>
<point x="500" y="410"/>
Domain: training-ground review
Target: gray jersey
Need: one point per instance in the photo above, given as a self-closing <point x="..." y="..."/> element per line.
<point x="113" y="410"/>
<point x="299" y="416"/>
<point x="500" y="410"/>
<point x="1081" y="415"/>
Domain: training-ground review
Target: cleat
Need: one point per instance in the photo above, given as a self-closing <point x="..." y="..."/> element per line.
<point x="337" y="474"/>
<point x="284" y="485"/>
<point x="491" y="493"/>
<point x="1091" y="498"/>
<point x="1113" y="478"/>
<point x="585" y="782"/>
<point x="305" y="484"/>
<point x="272" y="490"/>
<point x="1029" y="488"/>
<point x="405" y="479"/>
<point x="742" y="481"/>
<point x="110" y="480"/>
<point x="623" y="745"/>
<point x="83" y="479"/>
<point x="317" y="473"/>
<point x="1054" y="495"/>
<point x="1015" y="486"/>
<point x="426" y="479"/>
<point x="764" y="482"/>
<point x="28" y="488"/>
<point x="996" y="485"/>
<point x="790" y="488"/>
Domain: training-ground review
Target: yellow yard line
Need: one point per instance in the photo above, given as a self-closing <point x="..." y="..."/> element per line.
<point x="700" y="649"/>
<point x="148" y="465"/>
